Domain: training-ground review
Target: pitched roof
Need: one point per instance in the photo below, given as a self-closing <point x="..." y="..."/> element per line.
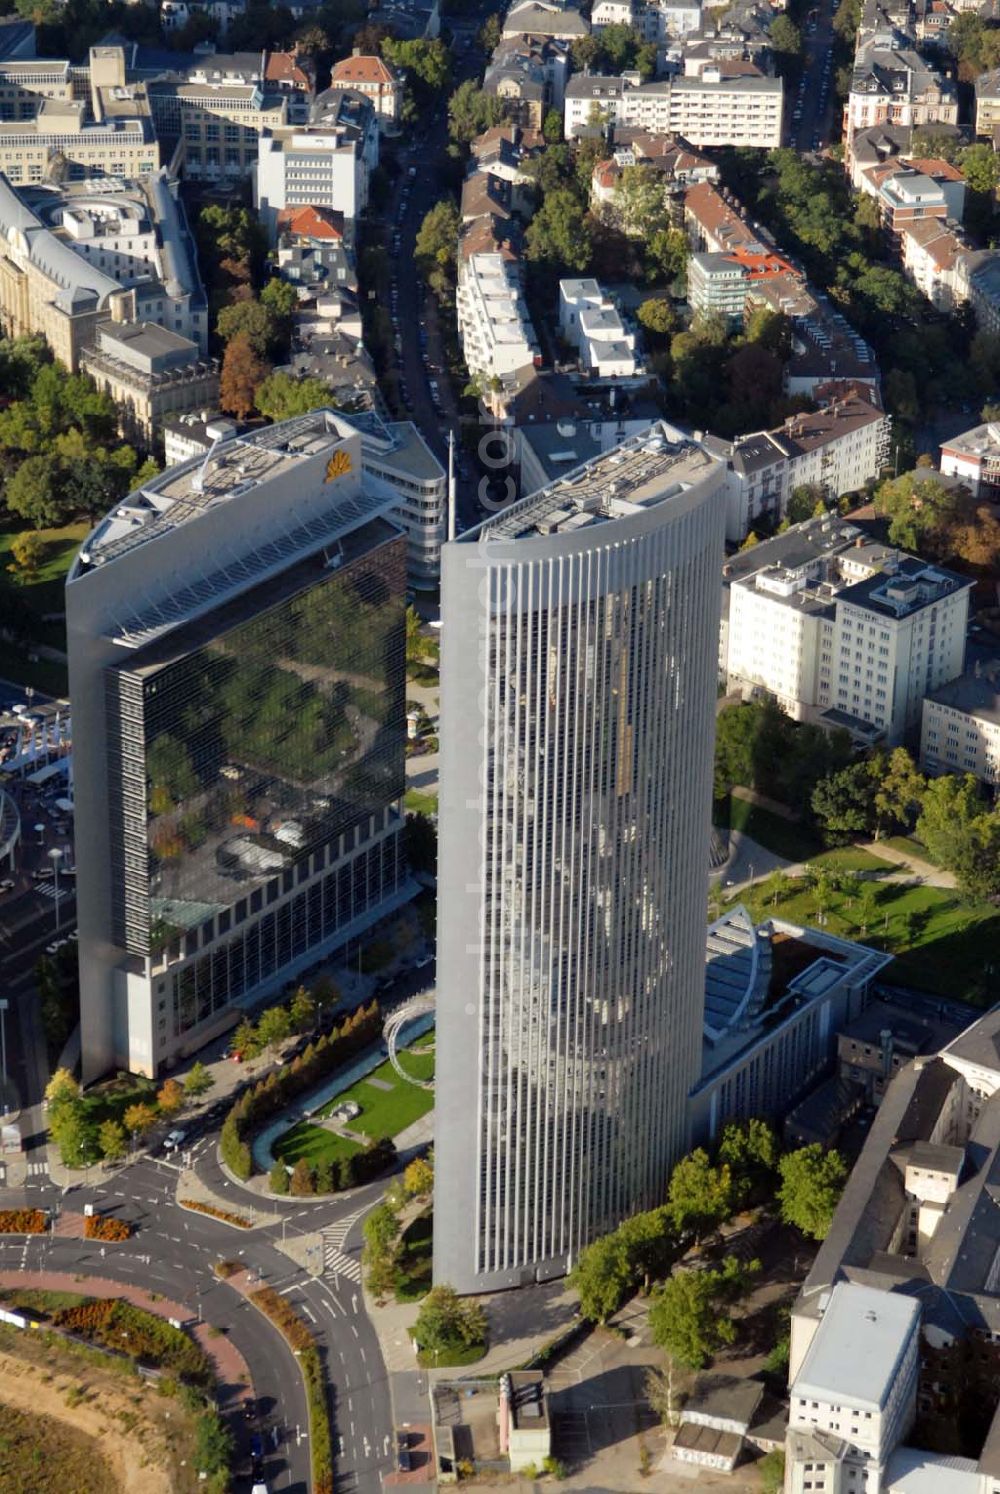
<point x="312" y="222"/>
<point x="283" y="67"/>
<point x="354" y="70"/>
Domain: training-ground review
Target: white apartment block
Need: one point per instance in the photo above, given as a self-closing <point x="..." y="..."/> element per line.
<point x="708" y="110"/>
<point x="974" y="456"/>
<point x="321" y="165"/>
<point x="960" y="727"/>
<point x="670" y="19"/>
<point x="612" y="13"/>
<point x="590" y="322"/>
<point x="855" y="1394"/>
<point x="859" y="655"/>
<point x="494" y="324"/>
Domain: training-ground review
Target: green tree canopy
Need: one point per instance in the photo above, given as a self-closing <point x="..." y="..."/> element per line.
<point x="688" y="1318"/>
<point x="812" y="1180"/>
<point x="559" y="235"/>
<point x="602" y="1276"/>
<point x="700" y="1196"/>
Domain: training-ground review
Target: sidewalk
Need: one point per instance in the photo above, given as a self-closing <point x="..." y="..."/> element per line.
<point x="933" y="876"/>
<point x="231" y="1370"/>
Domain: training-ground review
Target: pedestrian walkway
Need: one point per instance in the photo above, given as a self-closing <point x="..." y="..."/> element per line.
<point x="46" y="889"/>
<point x="231" y="1370"/>
<point x="933" y="876"/>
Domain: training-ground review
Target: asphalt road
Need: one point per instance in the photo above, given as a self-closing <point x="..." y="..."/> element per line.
<point x="815" y="98"/>
<point x="173" y="1252"/>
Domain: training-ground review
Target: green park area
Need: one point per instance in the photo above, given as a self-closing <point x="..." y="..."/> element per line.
<point x="35" y="592"/>
<point x="942" y="942"/>
<point x="388" y="1105"/>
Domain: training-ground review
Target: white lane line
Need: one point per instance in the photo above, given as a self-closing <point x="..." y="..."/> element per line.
<point x="311" y="1316"/>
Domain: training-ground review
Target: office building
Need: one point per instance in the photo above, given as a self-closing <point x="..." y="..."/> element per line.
<point x="77" y="255"/>
<point x="150" y="373"/>
<point x="578" y="702"/>
<point x="396" y="453"/>
<point x="212" y="127"/>
<point x="960" y="726"/>
<point x="237" y="678"/>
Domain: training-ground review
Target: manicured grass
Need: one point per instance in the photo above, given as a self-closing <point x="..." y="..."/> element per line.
<point x="33" y="1300"/>
<point x="384" y="1112"/>
<point x="44" y="592"/>
<point x="942" y="943"/>
<point x="910" y="846"/>
<point x="783" y="837"/>
<point x="850" y="858"/>
<point x="109" y="1101"/>
<point x="414" y="1280"/>
<point x="418" y="802"/>
<point x="451" y="1356"/>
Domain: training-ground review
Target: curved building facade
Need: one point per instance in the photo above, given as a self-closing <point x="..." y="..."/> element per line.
<point x="578" y="702"/>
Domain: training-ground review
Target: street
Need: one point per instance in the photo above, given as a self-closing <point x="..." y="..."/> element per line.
<point x="809" y="112"/>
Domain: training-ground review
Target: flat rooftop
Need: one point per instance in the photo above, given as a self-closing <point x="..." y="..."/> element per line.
<point x="907" y="590"/>
<point x="857" y="1348"/>
<point x="973" y="695"/>
<point x="642" y="471"/>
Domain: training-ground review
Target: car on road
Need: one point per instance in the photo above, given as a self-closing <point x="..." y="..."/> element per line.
<point x="251" y="1411"/>
<point x="403" y="1459"/>
<point x="173" y="1140"/>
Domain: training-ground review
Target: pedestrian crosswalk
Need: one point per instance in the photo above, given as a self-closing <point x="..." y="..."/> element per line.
<point x="335" y="1262"/>
<point x="47" y="889"/>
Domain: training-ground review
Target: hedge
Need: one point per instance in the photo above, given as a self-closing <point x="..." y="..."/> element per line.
<point x="270" y="1095"/>
<point x="139" y="1334"/>
<point x="23" y="1221"/>
<point x="227" y="1217"/>
<point x="98" y="1227"/>
<point x="300" y="1340"/>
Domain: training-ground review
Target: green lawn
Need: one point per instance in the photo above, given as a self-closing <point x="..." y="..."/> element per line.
<point x="784" y="837"/>
<point x="451" y="1356"/>
<point x="384" y="1112"/>
<point x="941" y="942"/>
<point x="850" y="858"/>
<point x="44" y="593"/>
<point x="418" y="802"/>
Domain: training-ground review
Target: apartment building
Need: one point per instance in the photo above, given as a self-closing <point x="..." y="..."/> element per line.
<point x="591" y="323"/>
<point x="679" y="164"/>
<point x="325" y="164"/>
<point x="933" y="257"/>
<point x="853" y="654"/>
<point x="546" y="18"/>
<point x="723" y="282"/>
<point x="974" y="456"/>
<point x="711" y="109"/>
<point x="892" y="84"/>
<point x="76" y="255"/>
<point x="150" y="372"/>
<point x="960" y="726"/>
<point x="378" y="80"/>
<point x="494" y="324"/>
<point x="835" y="449"/>
<point x="988" y="103"/>
<point x="854" y="1397"/>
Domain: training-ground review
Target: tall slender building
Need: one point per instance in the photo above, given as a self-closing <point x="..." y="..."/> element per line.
<point x="578" y="696"/>
<point x="237" y="676"/>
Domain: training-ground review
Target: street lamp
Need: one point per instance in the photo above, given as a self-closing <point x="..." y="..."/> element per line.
<point x="55" y="856"/>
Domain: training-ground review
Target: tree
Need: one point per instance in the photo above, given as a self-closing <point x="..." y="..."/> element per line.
<point x="559" y="234"/>
<point x="812" y="1180"/>
<point x="71" y="1133"/>
<point x="199" y="1080"/>
<point x="242" y="372"/>
<point x="428" y="63"/>
<point x="445" y="1320"/>
<point x="280" y="298"/>
<point x="687" y="1317"/>
<point x="302" y="1184"/>
<point x="214" y="1445"/>
<point x="139" y="1119"/>
<point x="171" y="1097"/>
<point x="900" y="795"/>
<point x="282" y="396"/>
<point x="34" y="491"/>
<point x="700" y="1195"/>
<point x="381" y="1230"/>
<point x="436" y="243"/>
<point x="112" y="1141"/>
<point x="471" y="111"/>
<point x="785" y="38"/>
<point x="490" y="33"/>
<point x="552" y="127"/>
<point x="273" y="1027"/>
<point x="253" y="320"/>
<point x="602" y="1276"/>
<point x="26" y="549"/>
<point x="751" y="1151"/>
<point x="277" y="1178"/>
<point x="302" y="1011"/>
<point x="640" y="201"/>
<point x="61" y="1088"/>
<point x="245" y="1041"/>
<point x="950" y="807"/>
<point x="844" y="803"/>
<point x="772" y="1471"/>
<point x="657" y="316"/>
<point x="418" y="1178"/>
<point x="650" y="1243"/>
<point x="807" y="501"/>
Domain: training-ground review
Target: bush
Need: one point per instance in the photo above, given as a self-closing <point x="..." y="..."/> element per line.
<point x="100" y="1227"/>
<point x="239" y="1220"/>
<point x="303" y="1183"/>
<point x="225" y="1269"/>
<point x="138" y="1334"/>
<point x="277" y="1178"/>
<point x="22" y="1221"/>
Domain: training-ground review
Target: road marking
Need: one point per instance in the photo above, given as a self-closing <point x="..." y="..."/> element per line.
<point x="309" y="1315"/>
<point x="285" y="1290"/>
<point x="354" y="1330"/>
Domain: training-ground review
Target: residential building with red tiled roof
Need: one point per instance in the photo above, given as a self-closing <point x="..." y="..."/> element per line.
<point x="377" y="79"/>
<point x="320" y="223"/>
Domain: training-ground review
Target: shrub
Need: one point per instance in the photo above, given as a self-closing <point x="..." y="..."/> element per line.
<point x="101" y="1227"/>
<point x="138" y="1334"/>
<point x="303" y="1183"/>
<point x="240" y="1220"/>
<point x="22" y="1221"/>
<point x="225" y="1269"/>
<point x="277" y="1178"/>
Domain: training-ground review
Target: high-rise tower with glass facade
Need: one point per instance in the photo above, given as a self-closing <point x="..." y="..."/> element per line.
<point x="579" y="645"/>
<point x="237" y="675"/>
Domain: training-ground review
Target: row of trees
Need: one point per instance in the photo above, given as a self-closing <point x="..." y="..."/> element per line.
<point x="82" y="1138"/>
<point x="705" y="1191"/>
<point x="331" y="1174"/>
<point x="383" y="1226"/>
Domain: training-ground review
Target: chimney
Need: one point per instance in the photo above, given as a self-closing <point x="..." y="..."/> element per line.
<point x="859" y="542"/>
